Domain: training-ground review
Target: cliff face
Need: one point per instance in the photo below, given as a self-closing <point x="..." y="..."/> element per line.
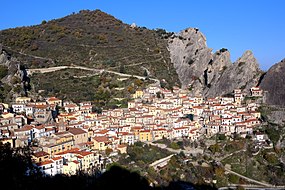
<point x="274" y="83"/>
<point x="190" y="56"/>
<point x="243" y="74"/>
<point x="210" y="74"/>
<point x="4" y="57"/>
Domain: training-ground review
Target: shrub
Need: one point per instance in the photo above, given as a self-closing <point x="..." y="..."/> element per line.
<point x="215" y="148"/>
<point x="223" y="50"/>
<point x="241" y="64"/>
<point x="174" y="145"/>
<point x="233" y="178"/>
<point x="273" y="134"/>
<point x="271" y="158"/>
<point x="3" y="71"/>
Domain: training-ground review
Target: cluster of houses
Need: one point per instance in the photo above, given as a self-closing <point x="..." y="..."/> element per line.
<point x="77" y="139"/>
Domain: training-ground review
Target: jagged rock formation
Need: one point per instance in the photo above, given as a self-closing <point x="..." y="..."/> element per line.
<point x="15" y="81"/>
<point x="274" y="84"/>
<point x="243" y="74"/>
<point x="210" y="74"/>
<point x="190" y="56"/>
<point x="4" y="57"/>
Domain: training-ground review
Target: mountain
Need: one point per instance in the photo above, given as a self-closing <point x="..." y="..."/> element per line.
<point x="95" y="40"/>
<point x="274" y="83"/>
<point x="105" y="59"/>
<point x="210" y="74"/>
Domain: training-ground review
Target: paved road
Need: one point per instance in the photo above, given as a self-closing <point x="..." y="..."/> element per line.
<point x="53" y="69"/>
<point x="177" y="151"/>
<point x="161" y="162"/>
<point x="252" y="187"/>
<point x="249" y="179"/>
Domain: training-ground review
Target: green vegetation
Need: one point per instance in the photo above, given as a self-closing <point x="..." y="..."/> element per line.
<point x="175" y="144"/>
<point x="143" y="154"/>
<point x="233" y="179"/>
<point x="140" y="155"/>
<point x="264" y="166"/>
<point x="80" y="85"/>
<point x="249" y="99"/>
<point x="3" y="71"/>
<point x="241" y="64"/>
<point x="215" y="148"/>
<point x="223" y="50"/>
<point x="273" y="134"/>
<point x="93" y="39"/>
<point x="221" y="137"/>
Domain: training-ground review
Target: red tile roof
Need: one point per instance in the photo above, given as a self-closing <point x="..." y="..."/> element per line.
<point x="76" y="131"/>
<point x="40" y="154"/>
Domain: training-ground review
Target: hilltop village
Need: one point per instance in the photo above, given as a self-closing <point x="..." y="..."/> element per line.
<point x="66" y="137"/>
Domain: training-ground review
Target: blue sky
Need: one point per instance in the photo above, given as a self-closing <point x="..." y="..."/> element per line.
<point x="238" y="25"/>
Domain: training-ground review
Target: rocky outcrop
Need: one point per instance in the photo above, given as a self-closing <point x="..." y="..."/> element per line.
<point x="9" y="62"/>
<point x="206" y="73"/>
<point x="15" y="77"/>
<point x="4" y="57"/>
<point x="242" y="74"/>
<point x="190" y="56"/>
<point x="274" y="84"/>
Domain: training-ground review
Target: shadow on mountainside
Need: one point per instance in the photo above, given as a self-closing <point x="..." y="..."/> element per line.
<point x="15" y="162"/>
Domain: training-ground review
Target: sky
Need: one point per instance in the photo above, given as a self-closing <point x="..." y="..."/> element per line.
<point x="238" y="25"/>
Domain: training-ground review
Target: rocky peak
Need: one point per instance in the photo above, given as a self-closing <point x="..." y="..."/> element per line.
<point x="190" y="56"/>
<point x="192" y="36"/>
<point x="206" y="73"/>
<point x="249" y="59"/>
<point x="273" y="84"/>
<point x="221" y="61"/>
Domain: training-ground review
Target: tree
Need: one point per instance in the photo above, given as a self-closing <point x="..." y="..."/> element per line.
<point x="130" y="89"/>
<point x="122" y="69"/>
<point x="271" y="158"/>
<point x="273" y="134"/>
<point x="119" y="178"/>
<point x="108" y="151"/>
<point x="158" y="95"/>
<point x="145" y="73"/>
<point x="215" y="148"/>
<point x="3" y="71"/>
<point x="233" y="178"/>
<point x="174" y="145"/>
<point x="16" y="166"/>
<point x="138" y="82"/>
